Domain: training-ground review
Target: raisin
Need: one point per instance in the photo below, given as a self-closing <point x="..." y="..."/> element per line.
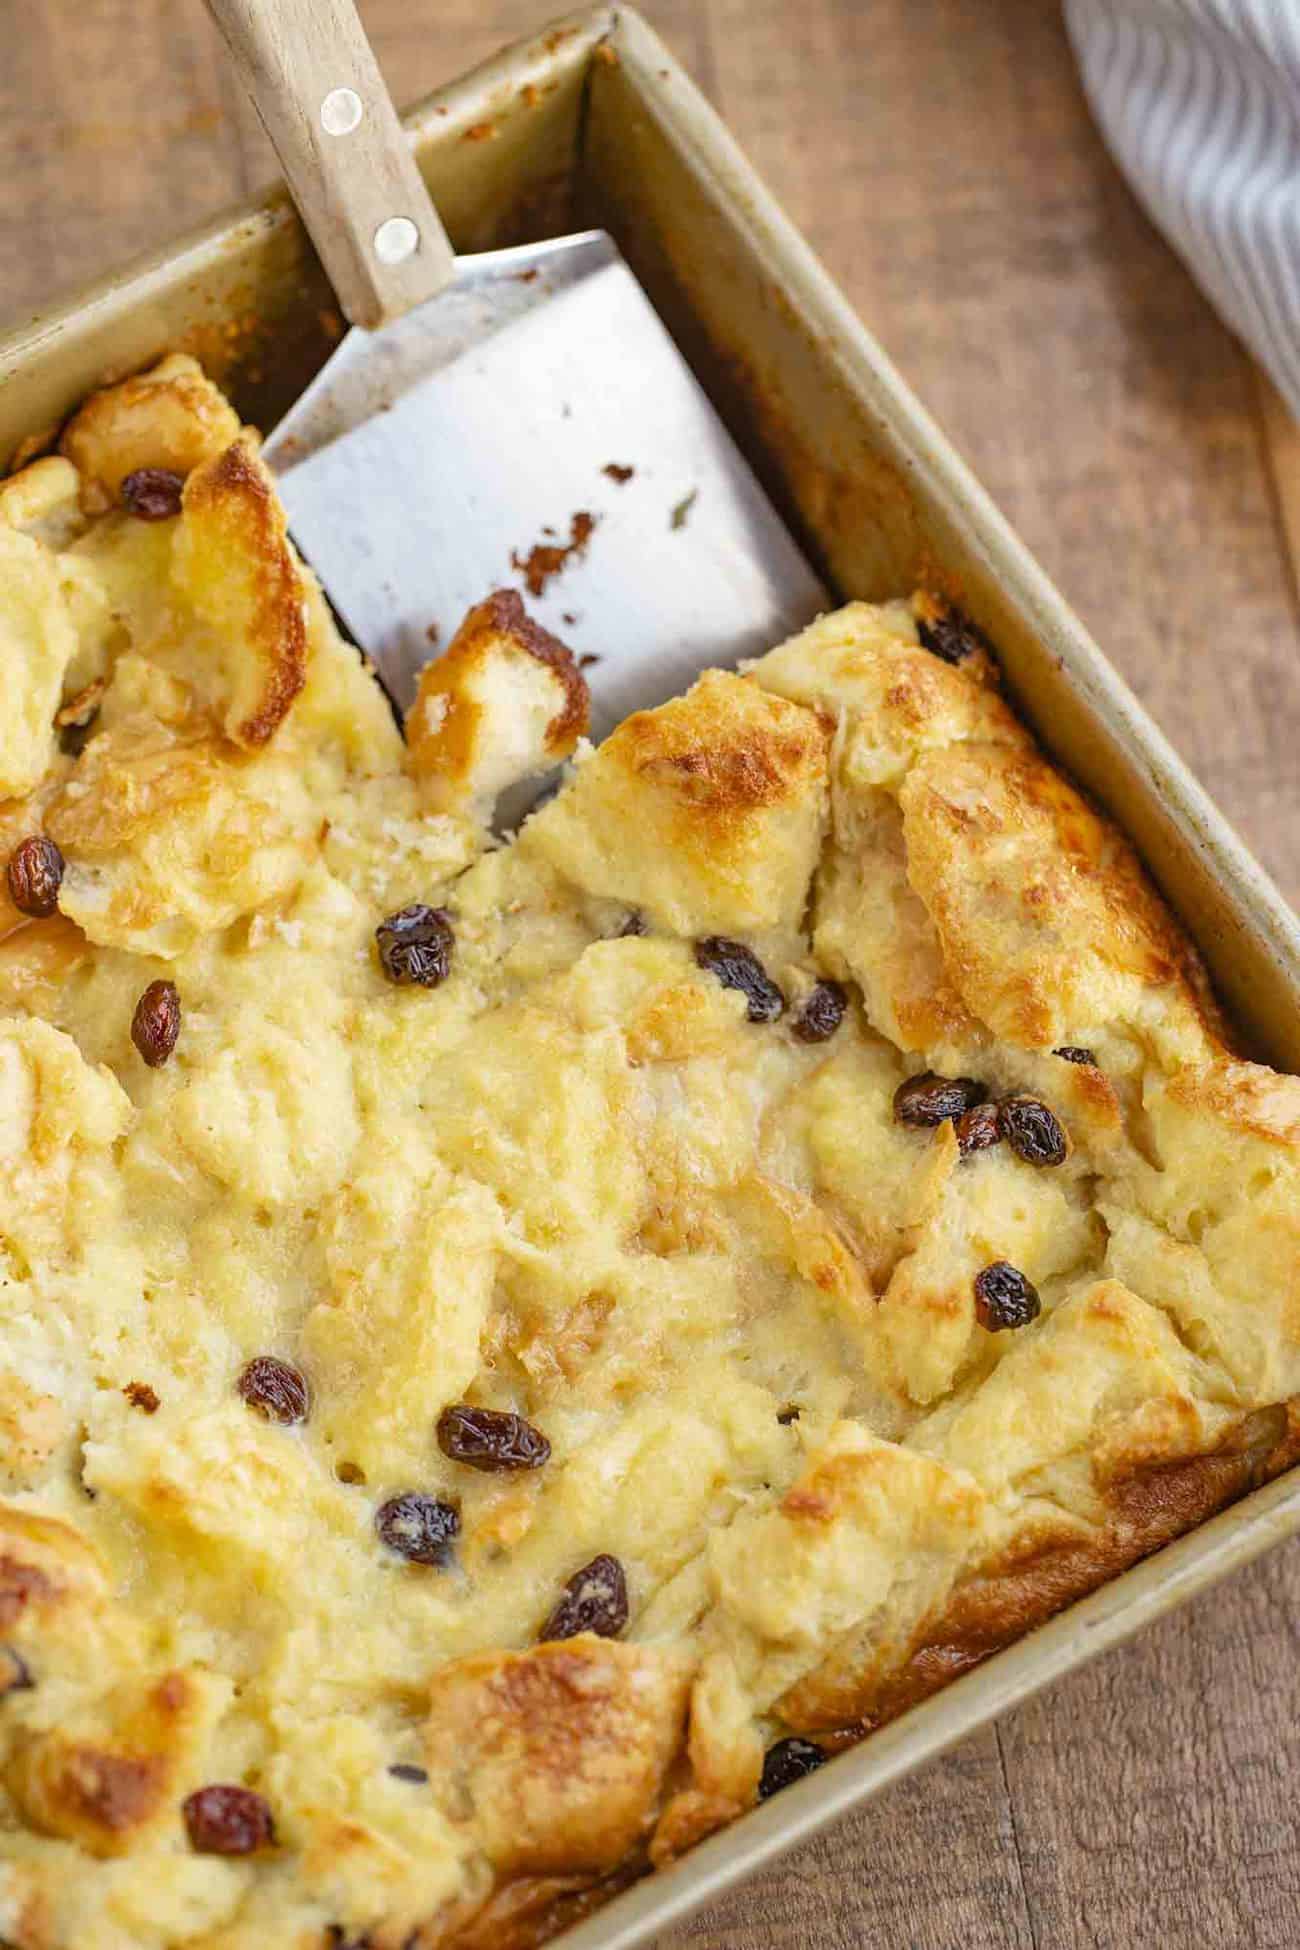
<point x="787" y="1415"/>
<point x="951" y="636"/>
<point x="415" y="946"/>
<point x="977" y="1128"/>
<point x="490" y="1438"/>
<point x="418" y="1527"/>
<point x="157" y="1023"/>
<point x="15" y="1673"/>
<point x="1033" y="1131"/>
<point x="738" y="967"/>
<point x="142" y="1396"/>
<point x="594" y="1600"/>
<point x="1073" y="1053"/>
<point x="402" y="1770"/>
<point x="224" y="1820"/>
<point x="1005" y="1298"/>
<point x="634" y="925"/>
<point x="821" y="1014"/>
<point x="929" y="1099"/>
<point x="789" y="1761"/>
<point x="152" y="493"/>
<point x="275" y="1389"/>
<point x="35" y="875"/>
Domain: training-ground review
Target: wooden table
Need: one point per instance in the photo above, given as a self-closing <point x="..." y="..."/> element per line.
<point x="939" y="155"/>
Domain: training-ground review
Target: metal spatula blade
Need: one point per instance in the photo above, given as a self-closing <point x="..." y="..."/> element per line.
<point x="426" y="463"/>
<point x="517" y="417"/>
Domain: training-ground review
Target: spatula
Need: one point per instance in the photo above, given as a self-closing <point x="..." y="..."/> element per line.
<point x="519" y="417"/>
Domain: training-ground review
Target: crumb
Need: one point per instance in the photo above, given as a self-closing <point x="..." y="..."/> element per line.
<point x="617" y="472"/>
<point x="480" y="132"/>
<point x="525" y="277"/>
<point x="547" y="559"/>
<point x="682" y="512"/>
<point x="590" y="658"/>
<point x="432" y="634"/>
<point x="570" y="617"/>
<point x="142" y="1396"/>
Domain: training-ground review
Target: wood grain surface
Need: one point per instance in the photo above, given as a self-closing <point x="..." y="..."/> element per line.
<point x="940" y="157"/>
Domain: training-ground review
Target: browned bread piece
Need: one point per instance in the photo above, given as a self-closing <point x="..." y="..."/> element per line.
<point x="505" y="700"/>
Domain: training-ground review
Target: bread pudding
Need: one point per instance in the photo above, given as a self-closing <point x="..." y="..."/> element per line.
<point x="514" y="1350"/>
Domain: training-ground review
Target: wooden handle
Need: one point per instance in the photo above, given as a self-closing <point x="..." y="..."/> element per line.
<point x="316" y="85"/>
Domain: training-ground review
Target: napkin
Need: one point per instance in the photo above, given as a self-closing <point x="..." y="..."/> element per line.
<point x="1200" y="103"/>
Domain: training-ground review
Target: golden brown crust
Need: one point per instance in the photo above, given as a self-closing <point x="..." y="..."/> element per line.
<point x="506" y="616"/>
<point x="44" y="1564"/>
<point x="171" y="417"/>
<point x="702" y="762"/>
<point x="234" y="553"/>
<point x="706" y="814"/>
<point x="1052" y="1561"/>
<point x="505" y="699"/>
<point x="107" y="1788"/>
<point x="1255" y="1101"/>
<point x="86" y="1793"/>
<point x="1045" y="918"/>
<point x="168" y="831"/>
<point x="130" y="777"/>
<point x="862" y="665"/>
<point x="120" y="896"/>
<point x="557" y="1755"/>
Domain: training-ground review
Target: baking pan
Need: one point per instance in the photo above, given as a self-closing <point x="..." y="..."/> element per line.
<point x="594" y="121"/>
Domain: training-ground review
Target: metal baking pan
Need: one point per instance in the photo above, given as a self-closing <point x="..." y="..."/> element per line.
<point x="594" y="121"/>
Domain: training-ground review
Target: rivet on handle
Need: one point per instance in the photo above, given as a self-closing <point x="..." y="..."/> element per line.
<point x="395" y="240"/>
<point x="340" y="111"/>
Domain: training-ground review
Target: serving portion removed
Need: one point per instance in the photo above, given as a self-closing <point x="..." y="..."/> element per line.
<point x="511" y="1351"/>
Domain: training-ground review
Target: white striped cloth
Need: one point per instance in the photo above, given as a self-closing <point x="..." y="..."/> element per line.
<point x="1200" y="102"/>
